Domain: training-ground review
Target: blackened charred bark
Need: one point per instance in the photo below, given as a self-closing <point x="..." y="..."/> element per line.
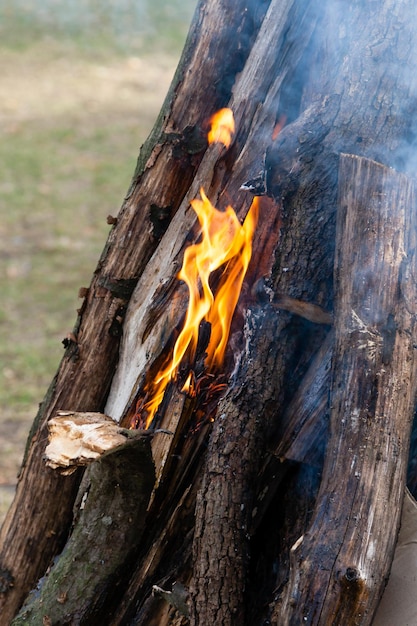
<point x="339" y="566"/>
<point x="358" y="95"/>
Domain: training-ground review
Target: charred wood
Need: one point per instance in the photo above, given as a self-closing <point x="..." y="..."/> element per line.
<point x="286" y="63"/>
<point x="339" y="566"/>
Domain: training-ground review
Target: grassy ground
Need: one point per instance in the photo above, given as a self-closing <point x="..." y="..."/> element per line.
<point x="74" y="110"/>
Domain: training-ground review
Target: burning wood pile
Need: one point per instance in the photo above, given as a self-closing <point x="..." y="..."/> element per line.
<point x="258" y="363"/>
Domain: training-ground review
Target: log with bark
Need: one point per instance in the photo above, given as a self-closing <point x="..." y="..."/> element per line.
<point x="274" y="481"/>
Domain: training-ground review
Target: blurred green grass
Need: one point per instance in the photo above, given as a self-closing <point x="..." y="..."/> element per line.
<point x="80" y="88"/>
<point x="95" y="26"/>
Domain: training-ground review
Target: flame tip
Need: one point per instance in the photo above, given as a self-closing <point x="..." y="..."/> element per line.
<point x="222" y="127"/>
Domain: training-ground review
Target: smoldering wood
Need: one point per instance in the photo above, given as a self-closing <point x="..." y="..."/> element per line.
<point x="339" y="566"/>
<point x="249" y="115"/>
<point x="244" y="164"/>
<point x="116" y="284"/>
<point x="347" y="52"/>
<point x="231" y="499"/>
<point x="303" y="206"/>
<point x="158" y="558"/>
<point x="226" y="500"/>
<point x="222" y="173"/>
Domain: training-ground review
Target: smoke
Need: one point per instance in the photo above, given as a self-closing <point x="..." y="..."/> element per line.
<point x="365" y="52"/>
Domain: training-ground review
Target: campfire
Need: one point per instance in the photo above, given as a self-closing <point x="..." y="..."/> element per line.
<point x="285" y="507"/>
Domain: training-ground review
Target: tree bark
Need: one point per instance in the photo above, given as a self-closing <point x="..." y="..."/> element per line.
<point x="226" y="499"/>
<point x="111" y="514"/>
<point x="339" y="566"/>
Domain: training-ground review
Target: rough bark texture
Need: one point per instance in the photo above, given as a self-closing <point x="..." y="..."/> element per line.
<point x="226" y="500"/>
<point x="158" y="302"/>
<point x="111" y="514"/>
<point x="339" y="566"/>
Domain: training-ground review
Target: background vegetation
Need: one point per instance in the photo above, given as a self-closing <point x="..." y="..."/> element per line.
<point x="81" y="84"/>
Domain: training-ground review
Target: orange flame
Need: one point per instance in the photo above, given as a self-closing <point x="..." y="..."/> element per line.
<point x="222" y="127"/>
<point x="224" y="242"/>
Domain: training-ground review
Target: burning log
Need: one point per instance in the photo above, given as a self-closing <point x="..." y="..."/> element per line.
<point x="166" y="167"/>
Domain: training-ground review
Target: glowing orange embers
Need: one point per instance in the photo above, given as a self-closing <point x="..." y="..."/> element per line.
<point x="222" y="127"/>
<point x="224" y="242"/>
<point x="282" y="120"/>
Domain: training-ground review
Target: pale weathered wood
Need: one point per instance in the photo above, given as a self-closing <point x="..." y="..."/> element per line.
<point x="222" y="175"/>
<point x="339" y="566"/>
<point x="77" y="439"/>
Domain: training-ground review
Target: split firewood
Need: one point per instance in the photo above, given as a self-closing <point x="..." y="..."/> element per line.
<point x="77" y="439"/>
<point x="338" y="571"/>
<point x="111" y="511"/>
<point x="165" y="170"/>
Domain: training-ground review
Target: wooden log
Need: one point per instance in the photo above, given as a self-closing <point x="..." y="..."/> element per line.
<point x="222" y="175"/>
<point x="226" y="499"/>
<point x="339" y="566"/>
<point x="82" y="582"/>
<point x="244" y="157"/>
<point x="301" y="270"/>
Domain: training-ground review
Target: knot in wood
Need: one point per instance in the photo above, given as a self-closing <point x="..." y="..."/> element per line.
<point x="6" y="580"/>
<point x="352" y="575"/>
